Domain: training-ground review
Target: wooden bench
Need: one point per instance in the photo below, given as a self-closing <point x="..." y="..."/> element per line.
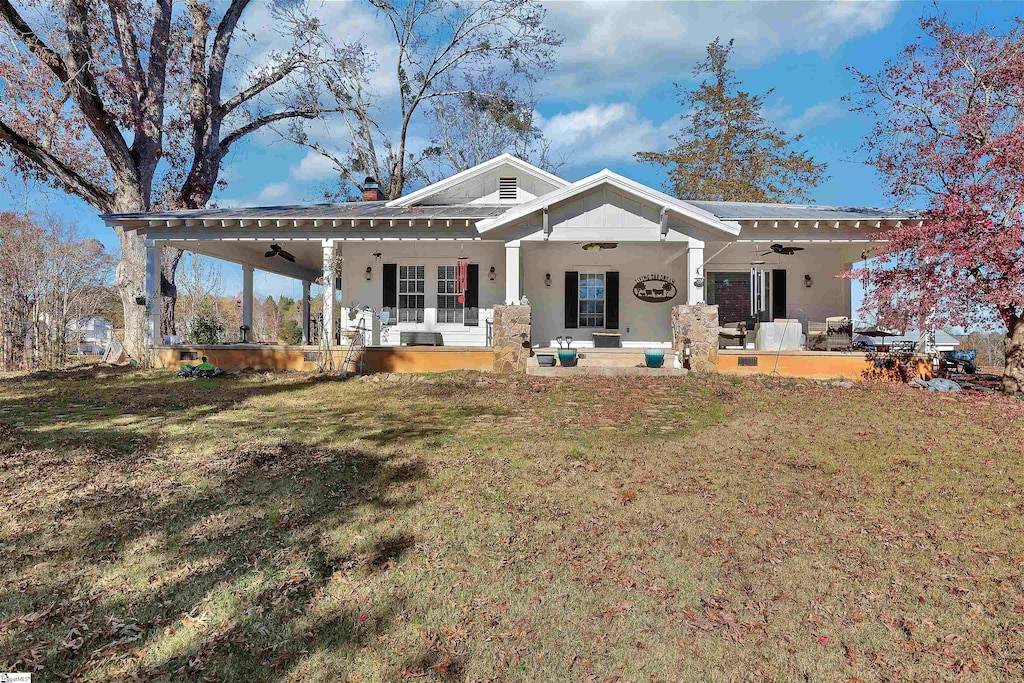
<point x="421" y="339"/>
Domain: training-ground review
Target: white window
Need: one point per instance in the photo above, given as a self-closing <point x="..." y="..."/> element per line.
<point x="591" y="300"/>
<point x="508" y="189"/>
<point x="449" y="310"/>
<point x="410" y="294"/>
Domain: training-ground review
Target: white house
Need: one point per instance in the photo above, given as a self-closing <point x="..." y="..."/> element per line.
<point x="604" y="254"/>
<point x="90" y="336"/>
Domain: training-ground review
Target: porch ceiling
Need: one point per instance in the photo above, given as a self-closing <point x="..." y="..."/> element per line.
<point x="308" y="255"/>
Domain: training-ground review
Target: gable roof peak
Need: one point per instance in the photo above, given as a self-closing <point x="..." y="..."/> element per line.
<point x="474" y="171"/>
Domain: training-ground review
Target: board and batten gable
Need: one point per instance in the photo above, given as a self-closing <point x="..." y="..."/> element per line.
<point x="600" y="214"/>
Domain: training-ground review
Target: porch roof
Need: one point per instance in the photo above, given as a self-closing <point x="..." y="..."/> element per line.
<point x="336" y="216"/>
<point x="734" y="211"/>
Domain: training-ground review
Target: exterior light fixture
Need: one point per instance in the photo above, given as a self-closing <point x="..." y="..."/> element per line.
<point x="490" y="273"/>
<point x="547" y="279"/>
<point x="698" y="282"/>
<point x="369" y="273"/>
<point x="808" y="282"/>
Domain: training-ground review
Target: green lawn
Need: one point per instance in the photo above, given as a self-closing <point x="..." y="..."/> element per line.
<point x="468" y="528"/>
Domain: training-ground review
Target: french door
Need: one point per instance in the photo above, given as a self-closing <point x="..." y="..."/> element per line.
<point x="743" y="296"/>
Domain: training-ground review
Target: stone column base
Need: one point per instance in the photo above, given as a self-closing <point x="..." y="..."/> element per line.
<point x="695" y="326"/>
<point x="511" y="334"/>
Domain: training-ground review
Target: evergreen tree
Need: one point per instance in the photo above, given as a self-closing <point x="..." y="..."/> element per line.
<point x="726" y="149"/>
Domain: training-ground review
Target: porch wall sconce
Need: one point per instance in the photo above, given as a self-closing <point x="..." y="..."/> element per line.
<point x="808" y="282"/>
<point x="369" y="273"/>
<point x="547" y="279"/>
<point x="698" y="282"/>
<point x="490" y="274"/>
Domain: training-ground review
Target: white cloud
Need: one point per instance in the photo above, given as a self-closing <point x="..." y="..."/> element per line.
<point x="816" y="115"/>
<point x="605" y="132"/>
<point x="314" y="167"/>
<point x="627" y="46"/>
<point x="275" y="192"/>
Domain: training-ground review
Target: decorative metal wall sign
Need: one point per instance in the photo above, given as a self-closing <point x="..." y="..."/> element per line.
<point x="654" y="289"/>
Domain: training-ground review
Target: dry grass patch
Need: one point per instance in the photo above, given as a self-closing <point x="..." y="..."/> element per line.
<point x="469" y="528"/>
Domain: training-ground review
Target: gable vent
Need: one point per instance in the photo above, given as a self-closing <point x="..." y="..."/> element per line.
<point x="508" y="188"/>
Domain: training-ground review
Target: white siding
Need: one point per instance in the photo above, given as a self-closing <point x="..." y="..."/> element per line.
<point x="640" y="323"/>
<point x="829" y="295"/>
<point x="356" y="256"/>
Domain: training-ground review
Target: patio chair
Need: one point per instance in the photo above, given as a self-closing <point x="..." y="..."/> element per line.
<point x="838" y="333"/>
<point x="817" y="336"/>
<point x="732" y="334"/>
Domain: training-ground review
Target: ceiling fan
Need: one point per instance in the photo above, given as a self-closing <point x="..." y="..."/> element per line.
<point x="783" y="250"/>
<point x="276" y="250"/>
<point x="599" y="246"/>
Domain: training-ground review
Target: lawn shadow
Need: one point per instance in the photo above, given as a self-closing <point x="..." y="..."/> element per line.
<point x="248" y="553"/>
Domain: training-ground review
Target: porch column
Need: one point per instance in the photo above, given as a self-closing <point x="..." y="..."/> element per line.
<point x="305" y="311"/>
<point x="695" y="273"/>
<point x="513" y="286"/>
<point x="154" y="301"/>
<point x="330" y="273"/>
<point x="247" y="301"/>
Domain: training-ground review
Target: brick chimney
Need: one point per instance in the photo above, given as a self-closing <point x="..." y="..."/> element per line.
<point x="371" y="190"/>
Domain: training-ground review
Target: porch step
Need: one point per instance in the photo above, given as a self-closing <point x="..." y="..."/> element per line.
<point x="536" y="371"/>
<point x="606" y="358"/>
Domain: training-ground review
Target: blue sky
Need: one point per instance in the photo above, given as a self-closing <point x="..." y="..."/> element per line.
<point x="612" y="95"/>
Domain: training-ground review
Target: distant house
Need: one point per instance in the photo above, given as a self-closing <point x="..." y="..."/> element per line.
<point x="90" y="336"/>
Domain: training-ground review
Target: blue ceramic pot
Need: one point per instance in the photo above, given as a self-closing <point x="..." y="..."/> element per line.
<point x="655" y="357"/>
<point x="567" y="357"/>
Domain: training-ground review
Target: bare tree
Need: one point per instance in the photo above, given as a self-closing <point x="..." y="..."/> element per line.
<point x="494" y="117"/>
<point x="440" y="43"/>
<point x="129" y="105"/>
<point x="201" y="286"/>
<point x="50" y="280"/>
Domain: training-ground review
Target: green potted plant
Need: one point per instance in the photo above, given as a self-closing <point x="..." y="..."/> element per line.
<point x="566" y="356"/>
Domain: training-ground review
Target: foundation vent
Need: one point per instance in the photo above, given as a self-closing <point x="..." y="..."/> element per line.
<point x="188" y="355"/>
<point x="311" y="356"/>
<point x="747" y="361"/>
<point x="508" y="189"/>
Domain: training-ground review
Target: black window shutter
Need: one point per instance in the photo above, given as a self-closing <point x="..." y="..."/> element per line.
<point x="778" y="294"/>
<point x="611" y="300"/>
<point x="572" y="299"/>
<point x="471" y="314"/>
<point x="391" y="287"/>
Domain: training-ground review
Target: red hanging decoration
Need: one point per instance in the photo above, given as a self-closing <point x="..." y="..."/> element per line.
<point x="462" y="277"/>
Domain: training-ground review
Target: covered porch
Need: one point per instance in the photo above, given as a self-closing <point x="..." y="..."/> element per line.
<point x="604" y="261"/>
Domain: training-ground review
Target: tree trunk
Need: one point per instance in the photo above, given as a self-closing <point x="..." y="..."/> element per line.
<point x="168" y="289"/>
<point x="131" y="283"/>
<point x="1013" y="374"/>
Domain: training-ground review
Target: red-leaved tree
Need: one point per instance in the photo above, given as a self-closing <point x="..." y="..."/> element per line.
<point x="949" y="131"/>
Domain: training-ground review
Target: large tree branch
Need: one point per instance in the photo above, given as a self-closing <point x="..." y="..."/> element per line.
<point x="221" y="48"/>
<point x="33" y="42"/>
<point x="86" y="93"/>
<point x="257" y="123"/>
<point x="261" y="84"/>
<point x="57" y="169"/>
<point x="128" y="49"/>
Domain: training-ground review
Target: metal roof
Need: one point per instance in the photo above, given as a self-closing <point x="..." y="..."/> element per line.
<point x="320" y="211"/>
<point x="763" y="211"/>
